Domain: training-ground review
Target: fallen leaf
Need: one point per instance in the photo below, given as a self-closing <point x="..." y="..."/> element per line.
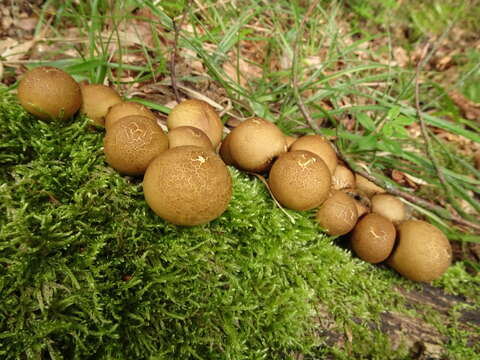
<point x="406" y="180"/>
<point x="468" y="108"/>
<point x="27" y="24"/>
<point x="401" y="56"/>
<point x="18" y="51"/>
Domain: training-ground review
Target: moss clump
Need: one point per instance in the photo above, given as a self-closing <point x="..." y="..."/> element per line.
<point x="88" y="271"/>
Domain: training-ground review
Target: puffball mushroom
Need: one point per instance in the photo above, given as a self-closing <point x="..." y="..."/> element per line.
<point x="126" y="108"/>
<point x="373" y="238"/>
<point x="188" y="185"/>
<point x="299" y="180"/>
<point x="255" y="143"/>
<point x="366" y="187"/>
<point x="132" y="143"/>
<point x="338" y="214"/>
<point x="423" y="252"/>
<point x="97" y="100"/>
<point x="199" y="114"/>
<point x="224" y="151"/>
<point x="389" y="206"/>
<point x="188" y="135"/>
<point x="49" y="93"/>
<point x="343" y="178"/>
<point x="320" y="146"/>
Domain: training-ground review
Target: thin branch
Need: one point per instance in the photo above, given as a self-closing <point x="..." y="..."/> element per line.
<point x="296" y="50"/>
<point x="438" y="210"/>
<point x="173" y="57"/>
<point x="424" y="131"/>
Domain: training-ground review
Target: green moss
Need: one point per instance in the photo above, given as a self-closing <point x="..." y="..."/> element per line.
<point x="88" y="271"/>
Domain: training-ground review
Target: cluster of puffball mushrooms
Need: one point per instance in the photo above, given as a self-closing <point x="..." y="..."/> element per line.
<point x="186" y="180"/>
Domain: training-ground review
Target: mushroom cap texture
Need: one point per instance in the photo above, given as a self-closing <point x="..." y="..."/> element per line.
<point x="49" y="93"/>
<point x="188" y="185"/>
<point x="373" y="238"/>
<point x="224" y="151"/>
<point x="300" y="180"/>
<point x="199" y="114"/>
<point x="389" y="206"/>
<point x="255" y="143"/>
<point x="343" y="178"/>
<point x="132" y="143"/>
<point x="126" y="108"/>
<point x="422" y="253"/>
<point x="97" y="99"/>
<point x="338" y="214"/>
<point x="188" y="135"/>
<point x="366" y="187"/>
<point x="319" y="146"/>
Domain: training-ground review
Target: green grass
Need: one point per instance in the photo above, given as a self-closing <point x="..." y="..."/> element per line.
<point x="88" y="271"/>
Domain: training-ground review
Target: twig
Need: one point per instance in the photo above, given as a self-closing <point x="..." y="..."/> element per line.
<point x="424" y="131"/>
<point x="296" y="51"/>
<point x="173" y="57"/>
<point x="440" y="211"/>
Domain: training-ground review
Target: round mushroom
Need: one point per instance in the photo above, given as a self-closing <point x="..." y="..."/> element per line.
<point x="423" y="252"/>
<point x="188" y="135"/>
<point x="49" y="93"/>
<point x="299" y="180"/>
<point x="97" y="100"/>
<point x="255" y="143"/>
<point x="373" y="238"/>
<point x="389" y="206"/>
<point x="338" y="214"/>
<point x="132" y="143"/>
<point x="320" y="146"/>
<point x="188" y="185"/>
<point x="199" y="114"/>
<point x="126" y="108"/>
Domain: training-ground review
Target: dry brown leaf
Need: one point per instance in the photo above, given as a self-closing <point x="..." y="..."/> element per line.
<point x="401" y="178"/>
<point x="246" y="71"/>
<point x="401" y="56"/>
<point x="27" y="24"/>
<point x="468" y="108"/>
<point x="17" y="51"/>
<point x="443" y="63"/>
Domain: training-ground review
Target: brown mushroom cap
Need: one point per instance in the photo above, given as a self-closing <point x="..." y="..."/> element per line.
<point x="299" y="180"/>
<point x="199" y="114"/>
<point x="423" y="253"/>
<point x="366" y="187"/>
<point x="132" y="143"/>
<point x="338" y="214"/>
<point x="188" y="185"/>
<point x="319" y="146"/>
<point x="188" y="135"/>
<point x="225" y="151"/>
<point x="97" y="100"/>
<point x="390" y="207"/>
<point x="373" y="238"/>
<point x="126" y="108"/>
<point x="343" y="178"/>
<point x="255" y="143"/>
<point x="49" y="93"/>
